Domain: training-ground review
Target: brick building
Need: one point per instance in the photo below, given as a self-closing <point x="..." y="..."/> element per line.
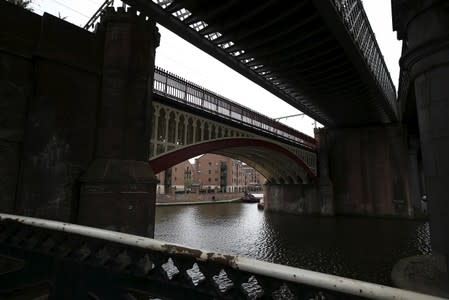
<point x="211" y="172"/>
<point x="178" y="178"/>
<point x="252" y="180"/>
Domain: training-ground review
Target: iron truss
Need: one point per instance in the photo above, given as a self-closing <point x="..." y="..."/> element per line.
<point x="319" y="56"/>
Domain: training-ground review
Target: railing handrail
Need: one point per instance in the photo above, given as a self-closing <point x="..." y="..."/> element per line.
<point x="306" y="140"/>
<point x="282" y="272"/>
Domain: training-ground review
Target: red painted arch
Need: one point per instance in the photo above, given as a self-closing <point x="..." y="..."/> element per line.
<point x="170" y="159"/>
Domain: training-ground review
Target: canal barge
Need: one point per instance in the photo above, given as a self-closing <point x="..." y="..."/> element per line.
<point x="251" y="198"/>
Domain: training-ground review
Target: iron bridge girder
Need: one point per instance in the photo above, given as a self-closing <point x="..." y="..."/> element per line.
<point x="342" y="22"/>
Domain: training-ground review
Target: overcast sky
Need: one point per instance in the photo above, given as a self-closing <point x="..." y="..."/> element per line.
<point x="179" y="57"/>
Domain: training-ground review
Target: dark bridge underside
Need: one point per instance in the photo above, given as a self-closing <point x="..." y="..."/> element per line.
<point x="301" y="51"/>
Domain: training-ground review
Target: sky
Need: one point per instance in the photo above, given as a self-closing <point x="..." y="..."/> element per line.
<point x="179" y="57"/>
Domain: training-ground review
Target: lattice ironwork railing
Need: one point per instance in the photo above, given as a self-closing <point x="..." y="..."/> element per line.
<point x="404" y="84"/>
<point x="58" y="260"/>
<point x="357" y="23"/>
<point x="181" y="90"/>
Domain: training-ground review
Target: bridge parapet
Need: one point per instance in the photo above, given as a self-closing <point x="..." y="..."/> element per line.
<point x="187" y="116"/>
<point x="112" y="265"/>
<point x="181" y="90"/>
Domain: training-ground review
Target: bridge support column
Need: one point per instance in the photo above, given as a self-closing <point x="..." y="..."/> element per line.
<point x="118" y="189"/>
<point x="291" y="198"/>
<point x="415" y="177"/>
<point x="325" y="186"/>
<point x="368" y="168"/>
<point x="423" y="26"/>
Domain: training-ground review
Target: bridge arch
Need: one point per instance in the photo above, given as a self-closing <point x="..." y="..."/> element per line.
<point x="181" y="128"/>
<point x="276" y="163"/>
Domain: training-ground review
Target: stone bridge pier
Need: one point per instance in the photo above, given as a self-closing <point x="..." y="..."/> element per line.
<point x="423" y="27"/>
<point x="364" y="171"/>
<point x="292" y="198"/>
<point x="75" y="119"/>
<point x="119" y="185"/>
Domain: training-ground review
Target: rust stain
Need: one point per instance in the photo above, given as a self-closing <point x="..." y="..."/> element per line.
<point x="228" y="260"/>
<point x="173" y="249"/>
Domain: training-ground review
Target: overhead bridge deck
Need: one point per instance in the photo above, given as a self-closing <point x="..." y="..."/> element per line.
<point x="319" y="56"/>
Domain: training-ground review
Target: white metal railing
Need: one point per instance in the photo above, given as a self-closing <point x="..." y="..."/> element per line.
<point x="252" y="266"/>
<point x="181" y="90"/>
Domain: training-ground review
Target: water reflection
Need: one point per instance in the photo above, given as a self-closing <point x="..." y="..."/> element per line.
<point x="362" y="248"/>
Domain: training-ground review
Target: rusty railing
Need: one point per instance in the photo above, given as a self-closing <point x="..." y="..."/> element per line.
<point x="45" y="259"/>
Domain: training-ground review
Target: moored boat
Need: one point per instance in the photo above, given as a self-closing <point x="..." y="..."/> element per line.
<point x="252" y="198"/>
<point x="261" y="204"/>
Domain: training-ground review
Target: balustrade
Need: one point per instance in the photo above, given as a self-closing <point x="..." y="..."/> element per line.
<point x="112" y="265"/>
<point x="179" y="89"/>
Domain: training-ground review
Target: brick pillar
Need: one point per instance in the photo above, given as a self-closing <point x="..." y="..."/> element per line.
<point x="118" y="190"/>
<point x="424" y="29"/>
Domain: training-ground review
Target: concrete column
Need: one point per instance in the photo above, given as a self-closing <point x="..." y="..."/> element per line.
<point x="118" y="189"/>
<point x="414" y="176"/>
<point x="427" y="61"/>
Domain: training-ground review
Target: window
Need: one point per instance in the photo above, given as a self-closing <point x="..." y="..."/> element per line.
<point x="209" y="172"/>
<point x="216" y="179"/>
<point x="208" y="179"/>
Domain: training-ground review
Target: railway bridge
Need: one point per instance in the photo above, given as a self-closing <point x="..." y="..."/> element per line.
<point x="82" y="131"/>
<point x="89" y="118"/>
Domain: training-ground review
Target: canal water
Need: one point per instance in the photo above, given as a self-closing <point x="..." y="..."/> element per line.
<point x="355" y="247"/>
